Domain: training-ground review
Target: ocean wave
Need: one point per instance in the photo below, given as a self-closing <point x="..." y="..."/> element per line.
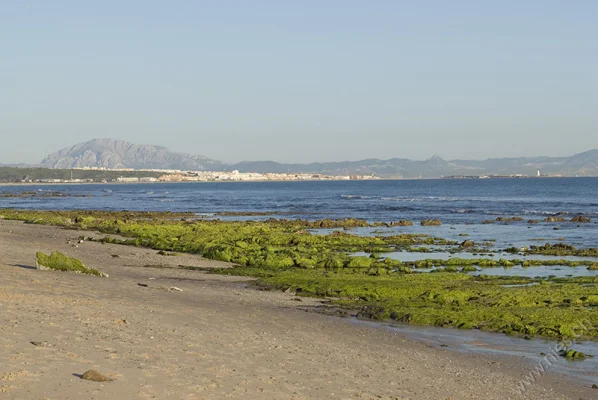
<point x="357" y="197"/>
<point x="539" y="212"/>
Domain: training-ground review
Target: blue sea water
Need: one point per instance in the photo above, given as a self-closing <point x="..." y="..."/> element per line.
<point x="457" y="201"/>
<point x="462" y="205"/>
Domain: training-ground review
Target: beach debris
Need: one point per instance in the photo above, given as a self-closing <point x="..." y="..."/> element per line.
<point x="115" y="256"/>
<point x="95" y="376"/>
<point x="40" y="344"/>
<point x="594" y="386"/>
<point x="61" y="262"/>
<point x="174" y="289"/>
<point x="142" y="284"/>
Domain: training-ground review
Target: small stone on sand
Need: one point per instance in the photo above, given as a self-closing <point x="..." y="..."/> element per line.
<point x="93" y="375"/>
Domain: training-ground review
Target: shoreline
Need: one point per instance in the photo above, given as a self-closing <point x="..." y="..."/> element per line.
<point x="218" y="337"/>
<point x="291" y="180"/>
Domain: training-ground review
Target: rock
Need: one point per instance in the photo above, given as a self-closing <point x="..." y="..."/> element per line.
<point x="467" y="243"/>
<point x="401" y="223"/>
<point x="554" y="219"/>
<point x="594" y="386"/>
<point x="431" y="222"/>
<point x="40" y="344"/>
<point x="581" y="219"/>
<point x="574" y="354"/>
<point x="95" y="376"/>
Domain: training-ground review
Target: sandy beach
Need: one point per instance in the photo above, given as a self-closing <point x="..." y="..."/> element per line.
<point x="217" y="338"/>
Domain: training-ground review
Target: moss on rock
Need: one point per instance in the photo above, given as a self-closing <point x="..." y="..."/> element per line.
<point x="60" y="262"/>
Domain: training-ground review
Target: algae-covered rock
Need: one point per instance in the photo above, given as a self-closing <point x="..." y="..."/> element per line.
<point x="402" y="222"/>
<point x="95" y="376"/>
<point x="60" y="262"/>
<point x="574" y="354"/>
<point x="431" y="222"/>
<point x="360" y="262"/>
<point x="554" y="219"/>
<point x="581" y="219"/>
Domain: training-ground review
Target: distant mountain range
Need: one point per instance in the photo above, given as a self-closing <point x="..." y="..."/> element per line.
<point x="109" y="153"/>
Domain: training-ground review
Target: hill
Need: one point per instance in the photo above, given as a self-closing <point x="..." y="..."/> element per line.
<point x="110" y="153"/>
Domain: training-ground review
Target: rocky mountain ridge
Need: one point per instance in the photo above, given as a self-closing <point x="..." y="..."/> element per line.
<point x="110" y="153"/>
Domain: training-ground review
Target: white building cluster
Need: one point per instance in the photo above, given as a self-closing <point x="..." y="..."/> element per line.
<point x="211" y="176"/>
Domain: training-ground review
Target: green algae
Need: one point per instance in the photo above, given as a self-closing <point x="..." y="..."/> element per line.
<point x="558" y="249"/>
<point x="450" y="300"/>
<point x="272" y="243"/>
<point x="573" y="354"/>
<point x="60" y="262"/>
<point x="285" y="255"/>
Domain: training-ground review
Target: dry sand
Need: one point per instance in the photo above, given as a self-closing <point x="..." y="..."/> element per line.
<point x="216" y="339"/>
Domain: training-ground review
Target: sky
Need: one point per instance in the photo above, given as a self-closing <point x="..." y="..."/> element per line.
<point x="301" y="81"/>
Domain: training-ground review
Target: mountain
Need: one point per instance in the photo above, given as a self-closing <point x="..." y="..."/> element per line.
<point x="110" y="153"/>
<point x="583" y="164"/>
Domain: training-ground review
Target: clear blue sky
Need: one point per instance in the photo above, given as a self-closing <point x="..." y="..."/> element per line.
<point x="301" y="80"/>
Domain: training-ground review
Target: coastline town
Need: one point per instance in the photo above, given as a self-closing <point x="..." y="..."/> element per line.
<point x="195" y="176"/>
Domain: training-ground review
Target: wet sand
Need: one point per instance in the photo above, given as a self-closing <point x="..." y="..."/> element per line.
<point x="215" y="339"/>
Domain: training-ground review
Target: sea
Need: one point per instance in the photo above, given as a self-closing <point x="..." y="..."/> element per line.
<point x="461" y="204"/>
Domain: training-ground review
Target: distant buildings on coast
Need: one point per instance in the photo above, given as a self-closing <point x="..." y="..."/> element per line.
<point x="189" y="176"/>
<point x="537" y="175"/>
<point x="236" y="176"/>
<point x="129" y="175"/>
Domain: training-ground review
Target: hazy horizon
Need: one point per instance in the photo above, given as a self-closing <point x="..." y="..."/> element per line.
<point x="301" y="82"/>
